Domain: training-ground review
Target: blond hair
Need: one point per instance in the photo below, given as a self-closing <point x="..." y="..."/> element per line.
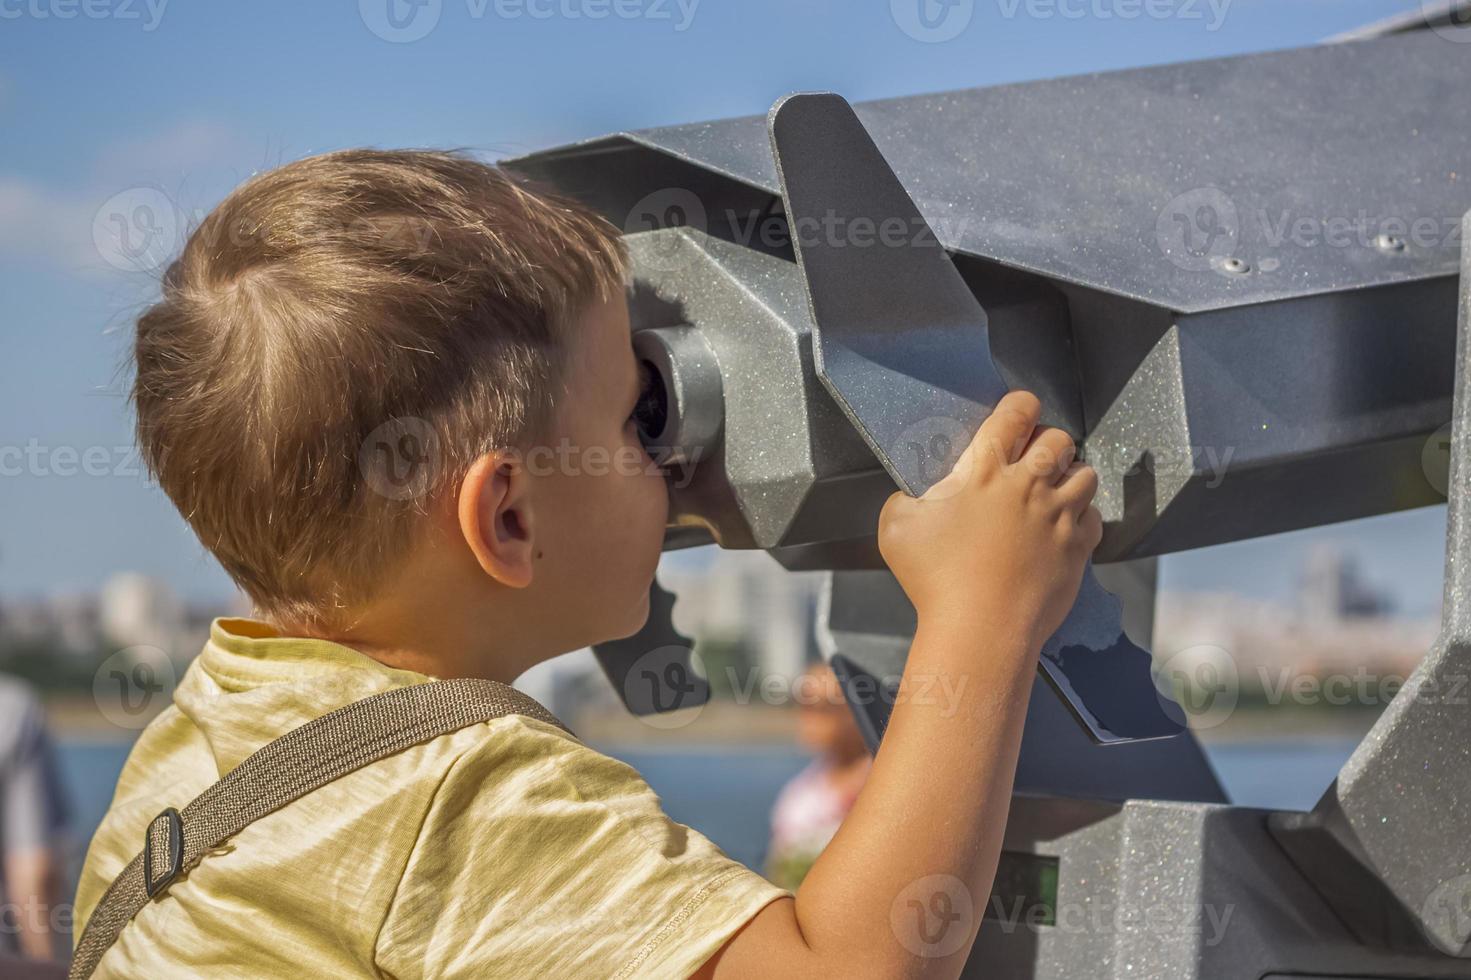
<point x="413" y="298"/>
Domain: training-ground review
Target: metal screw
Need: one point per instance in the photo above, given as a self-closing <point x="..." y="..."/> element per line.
<point x="1386" y="242"/>
<point x="1236" y="267"/>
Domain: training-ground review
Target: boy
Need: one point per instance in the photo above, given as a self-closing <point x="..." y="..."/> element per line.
<point x="457" y="305"/>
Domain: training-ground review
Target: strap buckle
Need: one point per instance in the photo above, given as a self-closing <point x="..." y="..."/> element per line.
<point x="163" y="852"/>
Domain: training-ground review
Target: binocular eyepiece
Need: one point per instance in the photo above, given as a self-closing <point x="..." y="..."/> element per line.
<point x="682" y="408"/>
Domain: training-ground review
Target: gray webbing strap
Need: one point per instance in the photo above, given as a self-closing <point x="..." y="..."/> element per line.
<point x="285" y="770"/>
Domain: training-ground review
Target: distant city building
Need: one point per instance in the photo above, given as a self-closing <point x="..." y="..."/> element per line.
<point x="131" y="609"/>
<point x="1336" y="623"/>
<point x="748" y="597"/>
<point x="739" y="597"/>
<point x="67" y="622"/>
<point x="566" y="684"/>
<point x="1264" y="639"/>
<point x="1333" y="588"/>
<point x="137" y="610"/>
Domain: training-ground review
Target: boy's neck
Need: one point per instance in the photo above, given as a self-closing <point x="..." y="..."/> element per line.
<point x="440" y="616"/>
<point x="428" y="629"/>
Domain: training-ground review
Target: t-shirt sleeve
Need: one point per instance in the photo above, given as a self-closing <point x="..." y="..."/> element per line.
<point x="542" y="857"/>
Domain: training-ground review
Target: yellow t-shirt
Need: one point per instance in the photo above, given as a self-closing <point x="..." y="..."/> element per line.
<point x="506" y="849"/>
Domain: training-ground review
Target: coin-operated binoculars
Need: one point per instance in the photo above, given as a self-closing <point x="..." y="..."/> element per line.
<point x="833" y="300"/>
<point x="792" y="437"/>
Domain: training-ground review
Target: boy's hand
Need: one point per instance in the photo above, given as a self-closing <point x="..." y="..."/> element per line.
<point x="991" y="557"/>
<point x="1006" y="534"/>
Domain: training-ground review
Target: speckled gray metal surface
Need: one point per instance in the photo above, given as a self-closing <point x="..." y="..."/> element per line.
<point x="903" y="346"/>
<point x="1329" y="369"/>
<point x="1401" y="807"/>
<point x="865" y="618"/>
<point x="1233" y="423"/>
<point x="652" y="671"/>
<point x="1159" y="890"/>
<point x="1324" y="375"/>
<point x="1146" y="182"/>
<point x="785" y="454"/>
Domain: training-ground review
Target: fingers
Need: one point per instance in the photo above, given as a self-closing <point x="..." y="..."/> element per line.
<point x="1005" y="434"/>
<point x="1078" y="486"/>
<point x="1050" y="454"/>
<point x="1090" y="528"/>
<point x="894" y="524"/>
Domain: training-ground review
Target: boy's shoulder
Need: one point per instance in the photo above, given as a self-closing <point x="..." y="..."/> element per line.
<point x="576" y="848"/>
<point x="503" y="847"/>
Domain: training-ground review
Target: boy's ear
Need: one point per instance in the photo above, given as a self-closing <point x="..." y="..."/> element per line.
<point x="495" y="517"/>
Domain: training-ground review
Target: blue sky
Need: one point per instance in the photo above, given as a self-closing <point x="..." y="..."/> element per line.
<point x="120" y="97"/>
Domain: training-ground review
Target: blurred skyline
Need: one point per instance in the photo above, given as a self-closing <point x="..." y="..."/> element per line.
<point x="188" y="99"/>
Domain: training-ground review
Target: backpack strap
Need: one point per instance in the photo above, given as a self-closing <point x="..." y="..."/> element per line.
<point x="284" y="770"/>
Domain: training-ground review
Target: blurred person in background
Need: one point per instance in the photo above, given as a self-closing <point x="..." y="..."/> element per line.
<point x="32" y="829"/>
<point x="814" y="802"/>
